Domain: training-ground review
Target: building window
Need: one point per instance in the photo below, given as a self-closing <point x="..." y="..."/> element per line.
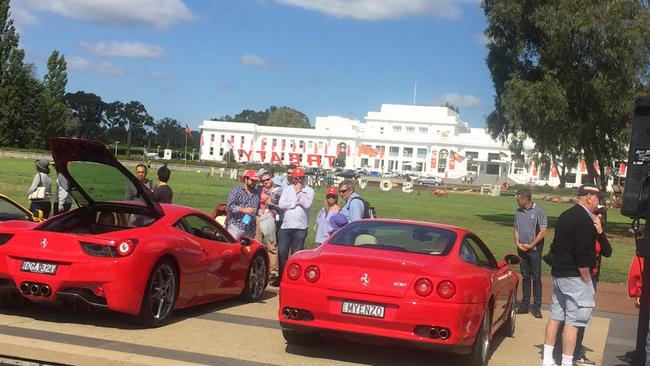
<point x="394" y="151"/>
<point x="424" y="130"/>
<point x="211" y="138"/>
<point x="407" y="152"/>
<point x="310" y="144"/>
<point x="320" y="145"/>
<point x="241" y="141"/>
<point x="519" y="166"/>
<point x="381" y="130"/>
<point x="419" y="167"/>
<point x="302" y="144"/>
<point x="410" y="130"/>
<point x="422" y="153"/>
<point x="493" y="156"/>
<point x="220" y="151"/>
<point x="364" y="162"/>
<point x="493" y="169"/>
<point x="406" y="165"/>
<point x="472" y="164"/>
<point x="274" y="142"/>
<point x="223" y="138"/>
<point x="397" y="129"/>
<point x="212" y="151"/>
<point x="282" y="156"/>
<point x="377" y="163"/>
<point x="442" y="160"/>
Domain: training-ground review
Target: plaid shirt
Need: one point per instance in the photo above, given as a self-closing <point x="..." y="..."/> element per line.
<point x="238" y="198"/>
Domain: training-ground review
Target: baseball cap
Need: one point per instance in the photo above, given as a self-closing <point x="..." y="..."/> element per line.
<point x="251" y="174"/>
<point x="586" y="189"/>
<point x="331" y="191"/>
<point x="298" y="172"/>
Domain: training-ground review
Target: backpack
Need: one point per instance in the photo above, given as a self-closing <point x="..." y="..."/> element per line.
<point x="369" y="212"/>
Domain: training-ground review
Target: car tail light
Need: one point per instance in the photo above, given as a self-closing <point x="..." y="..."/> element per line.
<point x="446" y="289"/>
<point x="99" y="250"/>
<point x="125" y="247"/>
<point x="294" y="270"/>
<point x="5" y="238"/>
<point x="423" y="287"/>
<point x="312" y="274"/>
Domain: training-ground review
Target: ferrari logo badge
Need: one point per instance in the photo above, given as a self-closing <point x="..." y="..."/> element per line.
<point x="44" y="243"/>
<point x="365" y="280"/>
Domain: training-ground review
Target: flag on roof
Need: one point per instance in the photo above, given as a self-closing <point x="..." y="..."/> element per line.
<point x="188" y="132"/>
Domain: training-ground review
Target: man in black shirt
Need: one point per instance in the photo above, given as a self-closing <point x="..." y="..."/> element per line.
<point x="573" y="252"/>
<point x="163" y="192"/>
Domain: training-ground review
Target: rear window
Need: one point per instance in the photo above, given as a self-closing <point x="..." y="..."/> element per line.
<point x="396" y="237"/>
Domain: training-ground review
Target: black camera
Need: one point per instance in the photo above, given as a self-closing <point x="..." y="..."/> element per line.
<point x="637" y="180"/>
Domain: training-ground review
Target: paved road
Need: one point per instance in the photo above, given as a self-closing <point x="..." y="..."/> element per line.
<point x="229" y="333"/>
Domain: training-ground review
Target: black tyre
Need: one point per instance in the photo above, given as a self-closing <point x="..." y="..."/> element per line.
<point x="509" y="326"/>
<point x="160" y="295"/>
<point x="301" y="339"/>
<point x="481" y="349"/>
<point x="257" y="278"/>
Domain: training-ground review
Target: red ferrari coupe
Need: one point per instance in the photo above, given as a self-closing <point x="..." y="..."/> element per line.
<point x="121" y="250"/>
<point x="405" y="282"/>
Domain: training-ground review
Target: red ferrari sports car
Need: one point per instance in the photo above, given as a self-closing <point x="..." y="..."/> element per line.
<point x="128" y="254"/>
<point x="405" y="282"/>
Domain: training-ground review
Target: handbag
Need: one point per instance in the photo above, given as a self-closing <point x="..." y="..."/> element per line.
<point x="39" y="193"/>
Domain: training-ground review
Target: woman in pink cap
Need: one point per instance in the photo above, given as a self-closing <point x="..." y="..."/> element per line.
<point x="330" y="207"/>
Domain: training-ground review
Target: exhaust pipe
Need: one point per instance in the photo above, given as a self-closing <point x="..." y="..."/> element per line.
<point x="295" y="314"/>
<point x="24" y="288"/>
<point x="35" y="289"/>
<point x="434" y="333"/>
<point x="443" y="333"/>
<point x="286" y="313"/>
<point x="45" y="291"/>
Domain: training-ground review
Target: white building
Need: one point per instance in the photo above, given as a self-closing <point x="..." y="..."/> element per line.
<point x="424" y="140"/>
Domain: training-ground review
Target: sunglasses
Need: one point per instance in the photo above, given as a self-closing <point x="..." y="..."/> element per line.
<point x="342" y="191"/>
<point x="331" y="197"/>
<point x="298" y="178"/>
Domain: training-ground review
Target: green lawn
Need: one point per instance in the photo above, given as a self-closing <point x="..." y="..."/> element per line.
<point x="490" y="218"/>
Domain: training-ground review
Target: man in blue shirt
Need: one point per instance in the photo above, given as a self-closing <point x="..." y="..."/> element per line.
<point x="530" y="229"/>
<point x="354" y="206"/>
<point x="295" y="202"/>
<point x="243" y="203"/>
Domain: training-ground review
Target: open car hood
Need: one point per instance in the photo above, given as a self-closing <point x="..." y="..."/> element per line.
<point x="73" y="150"/>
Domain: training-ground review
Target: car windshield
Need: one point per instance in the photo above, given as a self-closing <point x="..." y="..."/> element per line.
<point x="102" y="182"/>
<point x="9" y="211"/>
<point x="411" y="238"/>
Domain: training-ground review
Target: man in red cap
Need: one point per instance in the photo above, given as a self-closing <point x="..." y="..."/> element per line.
<point x="243" y="203"/>
<point x="330" y="207"/>
<point x="295" y="201"/>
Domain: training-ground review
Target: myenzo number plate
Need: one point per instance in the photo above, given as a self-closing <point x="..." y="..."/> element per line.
<point x="375" y="311"/>
<point x="38" y="267"/>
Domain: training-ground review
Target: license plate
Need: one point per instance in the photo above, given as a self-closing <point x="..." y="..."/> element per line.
<point x="375" y="311"/>
<point x="38" y="267"/>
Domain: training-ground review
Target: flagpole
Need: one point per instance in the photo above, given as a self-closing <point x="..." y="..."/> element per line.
<point x="185" y="156"/>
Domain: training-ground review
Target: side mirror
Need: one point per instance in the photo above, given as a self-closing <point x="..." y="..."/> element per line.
<point x="512" y="259"/>
<point x="39" y="215"/>
<point x="245" y="241"/>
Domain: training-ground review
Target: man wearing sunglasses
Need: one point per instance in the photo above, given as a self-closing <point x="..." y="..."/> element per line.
<point x="243" y="203"/>
<point x="295" y="201"/>
<point x="354" y="206"/>
<point x="574" y="253"/>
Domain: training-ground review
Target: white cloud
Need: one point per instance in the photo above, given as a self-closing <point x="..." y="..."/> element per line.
<point x="254" y="61"/>
<point x="481" y="39"/>
<point x="384" y="9"/>
<point x="149" y="13"/>
<point x="124" y="49"/>
<point x="466" y="101"/>
<point x="83" y="65"/>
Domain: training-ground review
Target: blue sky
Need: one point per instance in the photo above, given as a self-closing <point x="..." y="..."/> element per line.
<point x="197" y="59"/>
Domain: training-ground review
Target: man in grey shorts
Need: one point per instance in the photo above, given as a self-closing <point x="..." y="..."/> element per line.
<point x="573" y="252"/>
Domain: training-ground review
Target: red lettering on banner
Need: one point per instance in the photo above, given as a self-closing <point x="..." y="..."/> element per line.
<point x="262" y="154"/>
<point x="311" y="159"/>
<point x="275" y="158"/>
<point x="245" y="153"/>
<point x="330" y="160"/>
<point x="294" y="159"/>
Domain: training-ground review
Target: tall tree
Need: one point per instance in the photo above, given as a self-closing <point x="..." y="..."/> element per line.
<point x="139" y="122"/>
<point x="56" y="118"/>
<point x="169" y="133"/>
<point x="566" y="74"/>
<point x="88" y="109"/>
